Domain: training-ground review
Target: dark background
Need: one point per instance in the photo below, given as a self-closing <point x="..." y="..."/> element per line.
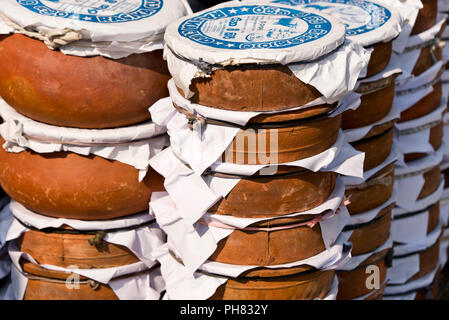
<point x="198" y="5"/>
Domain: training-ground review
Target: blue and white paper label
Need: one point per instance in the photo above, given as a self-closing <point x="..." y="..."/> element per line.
<point x="255" y="27"/>
<point x="97" y="11"/>
<point x="359" y="17"/>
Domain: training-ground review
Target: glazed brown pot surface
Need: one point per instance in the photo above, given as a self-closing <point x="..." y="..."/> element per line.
<point x="82" y="92"/>
<point x="68" y="185"/>
<point x="380" y="57"/>
<point x="424" y="106"/>
<point x="432" y="181"/>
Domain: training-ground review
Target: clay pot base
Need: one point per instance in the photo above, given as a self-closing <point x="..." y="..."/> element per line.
<point x="376" y="149"/>
<point x="352" y="284"/>
<point x="269" y="248"/>
<point x="377" y="190"/>
<point x="427" y="16"/>
<point x="252" y="88"/>
<point x="367" y="237"/>
<point x="435" y="140"/>
<point x="304" y="286"/>
<point x="64" y="250"/>
<point x="374" y="105"/>
<point x="287" y="194"/>
<point x="102" y="93"/>
<point x="283" y="144"/>
<point x="68" y="185"/>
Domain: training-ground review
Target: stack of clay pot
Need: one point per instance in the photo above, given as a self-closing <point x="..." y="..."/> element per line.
<point x="76" y="82"/>
<point x="5" y="261"/>
<point x="254" y="207"/>
<point x="417" y="225"/>
<point x="369" y="129"/>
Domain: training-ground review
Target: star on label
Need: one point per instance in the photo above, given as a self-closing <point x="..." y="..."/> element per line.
<point x="232" y="11"/>
<point x="230" y="45"/>
<point x="244" y="9"/>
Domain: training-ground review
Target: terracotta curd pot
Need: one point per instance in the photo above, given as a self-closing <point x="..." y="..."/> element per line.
<point x="427" y="16"/>
<point x="68" y="185"/>
<point x="435" y="140"/>
<point x="82" y="92"/>
<point x="424" y="106"/>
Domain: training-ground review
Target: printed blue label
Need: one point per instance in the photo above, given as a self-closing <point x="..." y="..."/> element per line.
<point x="98" y="11"/>
<point x="358" y="16"/>
<point x="255" y="27"/>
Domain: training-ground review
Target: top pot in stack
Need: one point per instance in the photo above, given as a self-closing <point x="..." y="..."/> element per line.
<point x="257" y="65"/>
<point x="85" y="65"/>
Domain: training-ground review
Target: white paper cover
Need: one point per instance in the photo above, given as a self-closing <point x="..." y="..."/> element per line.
<point x="133" y="145"/>
<point x="128" y="26"/>
<point x="367" y="22"/>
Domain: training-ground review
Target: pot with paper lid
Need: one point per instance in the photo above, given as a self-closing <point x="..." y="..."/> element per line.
<point x="68" y="185"/>
<point x="273" y="242"/>
<point x="218" y="61"/>
<point x="427" y="16"/>
<point x="435" y="139"/>
<point x="433" y="217"/>
<point x="308" y="285"/>
<point x="371" y="24"/>
<point x="83" y="244"/>
<point x="366" y="237"/>
<point x="288" y="191"/>
<point x="372" y="193"/>
<point x="114" y="46"/>
<point x="353" y="283"/>
<point x="376" y="148"/>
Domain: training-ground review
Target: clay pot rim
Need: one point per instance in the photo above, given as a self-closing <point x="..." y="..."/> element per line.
<point x="377" y="85"/>
<point x="386" y="210"/>
<point x="414" y="213"/>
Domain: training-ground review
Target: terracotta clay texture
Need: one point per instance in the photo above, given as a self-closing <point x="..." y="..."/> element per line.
<point x="375" y="105"/>
<point x="424" y="106"/>
<point x="377" y="149"/>
<point x="66" y="250"/>
<point x="427" y="16"/>
<point x="263" y="248"/>
<point x="45" y="284"/>
<point x="68" y="185"/>
<point x="252" y="88"/>
<point x="380" y="57"/>
<point x="435" y="140"/>
<point x="369" y="236"/>
<point x="283" y="144"/>
<point x="352" y="284"/>
<point x="426" y="59"/>
<point x="374" y="193"/>
<point x="428" y="294"/>
<point x="273" y="196"/>
<point x="303" y="286"/>
<point x="432" y="181"/>
<point x="82" y="92"/>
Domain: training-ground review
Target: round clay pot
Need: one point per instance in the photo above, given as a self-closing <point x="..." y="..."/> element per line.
<point x="272" y="196"/>
<point x="376" y="191"/>
<point x="375" y="105"/>
<point x="82" y="92"/>
<point x="64" y="250"/>
<point x="428" y="260"/>
<point x="284" y="144"/>
<point x="426" y="59"/>
<point x="432" y="181"/>
<point x="424" y="106"/>
<point x="381" y="128"/>
<point x="435" y="139"/>
<point x="303" y="286"/>
<point x="427" y="16"/>
<point x="380" y="57"/>
<point x="266" y="247"/>
<point x="369" y="236"/>
<point x="252" y="88"/>
<point x="45" y="284"/>
<point x="376" y="149"/>
<point x="68" y="185"/>
<point x="353" y="284"/>
<point x="377" y="294"/>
